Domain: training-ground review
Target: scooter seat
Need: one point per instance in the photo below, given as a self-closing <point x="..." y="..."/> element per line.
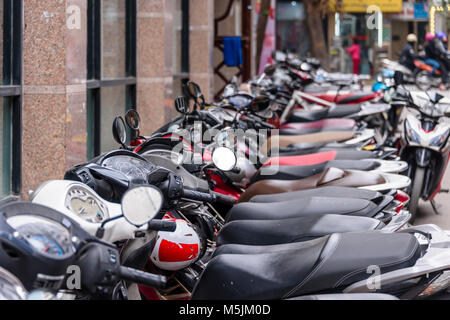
<point x="306" y="160"/>
<point x="341" y="153"/>
<point x="322" y="137"/>
<point x="291" y="270"/>
<point x="328" y="192"/>
<point x="302" y="207"/>
<point x="337" y="111"/>
<point x="295" y="132"/>
<point x="301" y="172"/>
<point x="319" y="126"/>
<point x="355" y="98"/>
<point x="271" y="232"/>
<point x="331" y="177"/>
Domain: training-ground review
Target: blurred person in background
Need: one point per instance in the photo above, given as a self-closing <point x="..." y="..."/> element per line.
<point x="355" y="52"/>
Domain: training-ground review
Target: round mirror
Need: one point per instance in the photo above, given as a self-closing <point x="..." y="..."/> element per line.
<point x="194" y="90"/>
<point x="269" y="70"/>
<point x="133" y="120"/>
<point x="260" y="103"/>
<point x="305" y="67"/>
<point x="119" y="131"/>
<point x="398" y="77"/>
<point x="10" y="287"/>
<point x="181" y="105"/>
<point x="140" y="205"/>
<point x="224" y="159"/>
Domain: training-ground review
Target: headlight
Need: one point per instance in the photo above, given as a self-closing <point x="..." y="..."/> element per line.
<point x="412" y="135"/>
<point x="379" y="78"/>
<point x="440" y="140"/>
<point x="85" y="205"/>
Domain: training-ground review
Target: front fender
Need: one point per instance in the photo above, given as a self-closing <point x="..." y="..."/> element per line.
<point x="423" y="157"/>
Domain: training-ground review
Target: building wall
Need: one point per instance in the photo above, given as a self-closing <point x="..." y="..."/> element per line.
<point x="54" y="121"/>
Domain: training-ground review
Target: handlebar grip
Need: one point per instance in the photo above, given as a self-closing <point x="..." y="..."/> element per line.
<point x="162" y="225"/>
<point x="224" y="199"/>
<point x="144" y="278"/>
<point x="198" y="196"/>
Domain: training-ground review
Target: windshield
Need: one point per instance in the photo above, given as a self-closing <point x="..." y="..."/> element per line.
<point x="427" y="106"/>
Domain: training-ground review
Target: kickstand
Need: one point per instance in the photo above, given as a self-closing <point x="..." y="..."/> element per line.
<point x="433" y="204"/>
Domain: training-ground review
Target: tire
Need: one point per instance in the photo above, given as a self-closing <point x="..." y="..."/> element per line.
<point x="423" y="80"/>
<point x="416" y="192"/>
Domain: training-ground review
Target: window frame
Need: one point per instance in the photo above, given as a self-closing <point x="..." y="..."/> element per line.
<point x="95" y="82"/>
<point x="11" y="94"/>
<point x="183" y="75"/>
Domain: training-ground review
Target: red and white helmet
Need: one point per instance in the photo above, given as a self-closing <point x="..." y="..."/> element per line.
<point x="177" y="250"/>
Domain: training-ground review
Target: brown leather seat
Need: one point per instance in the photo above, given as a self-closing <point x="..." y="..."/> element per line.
<point x="331" y="177"/>
<point x="321" y="137"/>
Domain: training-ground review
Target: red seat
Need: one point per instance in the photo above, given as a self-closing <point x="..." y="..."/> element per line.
<point x="330" y="123"/>
<point x="306" y="160"/>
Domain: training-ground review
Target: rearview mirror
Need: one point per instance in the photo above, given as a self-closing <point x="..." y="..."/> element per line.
<point x="398" y="78"/>
<point x="141" y="205"/>
<point x="181" y="105"/>
<point x="194" y="90"/>
<point x="259" y="104"/>
<point x="133" y="120"/>
<point x="119" y="131"/>
<point x="269" y="70"/>
<point x="224" y="159"/>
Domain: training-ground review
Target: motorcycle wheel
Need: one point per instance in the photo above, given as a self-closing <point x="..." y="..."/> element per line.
<point x="423" y="80"/>
<point x="416" y="192"/>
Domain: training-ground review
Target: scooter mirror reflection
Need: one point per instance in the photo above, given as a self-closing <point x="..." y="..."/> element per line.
<point x="140" y="205"/>
<point x="260" y="104"/>
<point x="224" y="159"/>
<point x="133" y="120"/>
<point x="194" y="90"/>
<point x="119" y="131"/>
<point x="269" y="70"/>
<point x="181" y="105"/>
<point x="398" y="78"/>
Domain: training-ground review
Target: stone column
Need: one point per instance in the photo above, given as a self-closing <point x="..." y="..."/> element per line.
<point x="154" y="49"/>
<point x="54" y="70"/>
<point x="202" y="45"/>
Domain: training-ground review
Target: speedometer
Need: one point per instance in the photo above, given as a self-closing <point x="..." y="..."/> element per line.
<point x="10" y="287"/>
<point x="86" y="205"/>
<point x="44" y="235"/>
<point x="131" y="167"/>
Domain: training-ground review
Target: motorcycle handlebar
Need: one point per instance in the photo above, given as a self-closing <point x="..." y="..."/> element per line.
<point x="144" y="278"/>
<point x="162" y="225"/>
<point x="207" y="197"/>
<point x="224" y="199"/>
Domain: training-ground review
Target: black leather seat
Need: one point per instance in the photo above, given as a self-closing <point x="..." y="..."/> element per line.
<point x="296" y="132"/>
<point x="353" y="98"/>
<point x="270" y="232"/>
<point x="338" y="111"/>
<point x="341" y="111"/>
<point x="327" y="192"/>
<point x="281" y="272"/>
<point x="303" y="207"/>
<point x="300" y="172"/>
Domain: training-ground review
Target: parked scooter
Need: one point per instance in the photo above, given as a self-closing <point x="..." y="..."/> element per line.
<point x="40" y="244"/>
<point x="413" y="265"/>
<point x="424" y="144"/>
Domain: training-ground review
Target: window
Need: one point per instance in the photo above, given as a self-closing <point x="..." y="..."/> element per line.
<point x="292" y="31"/>
<point x="10" y="93"/>
<point x="180" y="46"/>
<point x="111" y="76"/>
